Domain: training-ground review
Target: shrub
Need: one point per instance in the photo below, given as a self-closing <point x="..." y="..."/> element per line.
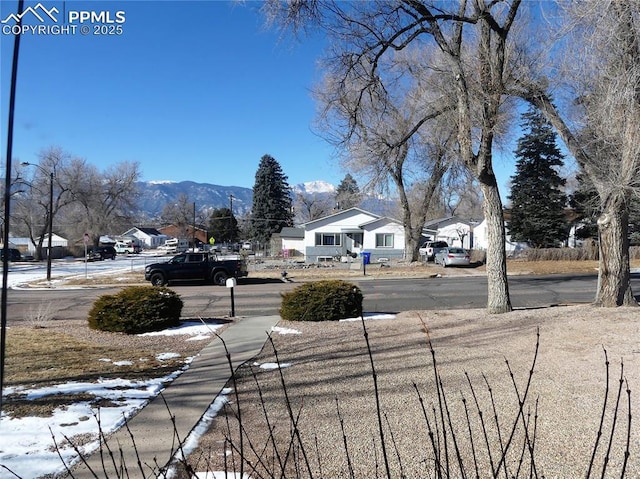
<point x="322" y="301"/>
<point x="137" y="309"/>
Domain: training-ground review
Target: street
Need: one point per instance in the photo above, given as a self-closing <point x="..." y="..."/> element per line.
<point x="262" y="296"/>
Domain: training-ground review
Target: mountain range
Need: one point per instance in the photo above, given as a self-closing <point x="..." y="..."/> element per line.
<point x="154" y="195"/>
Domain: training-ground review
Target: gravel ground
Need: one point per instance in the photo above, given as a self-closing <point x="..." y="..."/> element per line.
<point x="329" y="380"/>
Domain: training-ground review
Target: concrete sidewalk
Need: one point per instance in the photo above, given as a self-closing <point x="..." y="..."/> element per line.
<point x="187" y="398"/>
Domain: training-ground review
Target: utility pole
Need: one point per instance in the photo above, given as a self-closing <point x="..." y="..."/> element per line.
<point x="194" y="226"/>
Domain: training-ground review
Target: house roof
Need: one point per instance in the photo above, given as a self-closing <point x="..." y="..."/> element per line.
<point x="290" y="232"/>
<point x="379" y="220"/>
<point x="148" y="231"/>
<point x="449" y="220"/>
<point x="350" y="211"/>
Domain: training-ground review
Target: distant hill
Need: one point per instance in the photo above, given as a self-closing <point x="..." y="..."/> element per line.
<point x="154" y="195"/>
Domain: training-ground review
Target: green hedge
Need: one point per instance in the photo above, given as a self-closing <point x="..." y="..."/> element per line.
<point x="322" y="301"/>
<point x="137" y="309"/>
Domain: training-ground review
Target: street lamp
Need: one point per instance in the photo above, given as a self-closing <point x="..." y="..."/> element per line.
<point x="49" y="213"/>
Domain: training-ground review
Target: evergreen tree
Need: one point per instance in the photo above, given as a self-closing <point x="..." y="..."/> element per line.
<point x="271" y="201"/>
<point x="586" y="205"/>
<point x="223" y="226"/>
<point x="347" y="193"/>
<point x="537" y="200"/>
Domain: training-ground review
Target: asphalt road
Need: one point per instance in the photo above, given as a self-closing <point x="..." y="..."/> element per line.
<point x="262" y="297"/>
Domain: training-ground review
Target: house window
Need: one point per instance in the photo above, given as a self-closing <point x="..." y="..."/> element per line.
<point x="384" y="240"/>
<point x="328" y="239"/>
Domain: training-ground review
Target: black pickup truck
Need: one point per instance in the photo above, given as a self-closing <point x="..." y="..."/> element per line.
<point x="201" y="267"/>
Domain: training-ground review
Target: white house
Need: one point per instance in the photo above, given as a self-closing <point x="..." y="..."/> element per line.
<point x="353" y="232"/>
<point x="148" y="237"/>
<point x="292" y="242"/>
<point x="480" y="240"/>
<point x="455" y="231"/>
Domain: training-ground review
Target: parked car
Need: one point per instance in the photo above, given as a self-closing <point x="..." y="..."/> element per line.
<point x="127" y="247"/>
<point x="101" y="252"/>
<point x="430" y="249"/>
<point x="193" y="267"/>
<point x="14" y="254"/>
<point x="451" y="256"/>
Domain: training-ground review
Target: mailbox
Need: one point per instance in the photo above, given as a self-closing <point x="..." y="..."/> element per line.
<point x="231" y="283"/>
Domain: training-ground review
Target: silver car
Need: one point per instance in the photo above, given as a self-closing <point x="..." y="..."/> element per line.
<point x="452" y="256"/>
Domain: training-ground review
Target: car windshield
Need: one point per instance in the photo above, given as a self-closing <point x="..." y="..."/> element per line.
<point x="456" y="250"/>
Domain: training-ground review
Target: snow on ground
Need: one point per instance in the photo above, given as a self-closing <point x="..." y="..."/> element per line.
<point x="35" y="438"/>
<point x="28" y="444"/>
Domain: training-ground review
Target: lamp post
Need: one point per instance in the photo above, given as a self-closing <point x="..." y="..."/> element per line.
<point x="49" y="213"/>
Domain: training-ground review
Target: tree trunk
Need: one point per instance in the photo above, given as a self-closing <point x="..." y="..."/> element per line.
<point x="411" y="244"/>
<point x="498" y="300"/>
<point x="614" y="287"/>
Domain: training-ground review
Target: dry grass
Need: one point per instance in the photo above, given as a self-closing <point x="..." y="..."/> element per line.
<point x="328" y="365"/>
<point x="61" y="352"/>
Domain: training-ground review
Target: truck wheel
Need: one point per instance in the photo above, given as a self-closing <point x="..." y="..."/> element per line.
<point x="220" y="278"/>
<point x="157" y="279"/>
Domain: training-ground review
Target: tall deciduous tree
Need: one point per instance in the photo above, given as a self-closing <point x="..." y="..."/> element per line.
<point x="347" y="193"/>
<point x="272" y="203"/>
<point x="472" y="56"/>
<point x="311" y="206"/>
<point x="604" y="73"/>
<point x="32" y="209"/>
<point x="102" y="201"/>
<point x="537" y="199"/>
<point x="180" y="214"/>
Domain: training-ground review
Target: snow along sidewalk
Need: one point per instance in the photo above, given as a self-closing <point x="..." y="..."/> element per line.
<point x="187" y="398"/>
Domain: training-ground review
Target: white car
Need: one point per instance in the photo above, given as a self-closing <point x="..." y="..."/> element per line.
<point x="431" y="248"/>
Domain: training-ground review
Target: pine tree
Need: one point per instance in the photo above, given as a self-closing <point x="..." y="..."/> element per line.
<point x="223" y="226"/>
<point x="271" y="201"/>
<point x="347" y="193"/>
<point x="537" y="199"/>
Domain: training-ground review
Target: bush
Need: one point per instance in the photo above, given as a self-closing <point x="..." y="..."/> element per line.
<point x="322" y="301"/>
<point x="137" y="309"/>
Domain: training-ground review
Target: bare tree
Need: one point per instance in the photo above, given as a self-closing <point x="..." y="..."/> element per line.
<point x="33" y="208"/>
<point x="393" y="132"/>
<point x="102" y="201"/>
<point x="179" y="214"/>
<point x="469" y="41"/>
<point x="601" y="129"/>
<point x="311" y="206"/>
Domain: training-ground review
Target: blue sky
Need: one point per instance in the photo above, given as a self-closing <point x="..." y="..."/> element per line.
<point x="192" y="90"/>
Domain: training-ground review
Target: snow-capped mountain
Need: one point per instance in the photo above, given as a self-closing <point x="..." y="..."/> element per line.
<point x="314" y="187"/>
<point x="154" y="195"/>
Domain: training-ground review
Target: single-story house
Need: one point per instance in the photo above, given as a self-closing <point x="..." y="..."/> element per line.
<point x="291" y="242"/>
<point x="27" y="248"/>
<point x="481" y="240"/>
<point x="352" y="232"/>
<point x="453" y="230"/>
<point x="172" y="231"/>
<point x="149" y="237"/>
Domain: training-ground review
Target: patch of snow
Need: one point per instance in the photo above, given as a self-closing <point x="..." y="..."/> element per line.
<point x="270" y="366"/>
<point x="372" y="316"/>
<point x="191" y="328"/>
<point x="280" y="330"/>
<point x="165" y="356"/>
